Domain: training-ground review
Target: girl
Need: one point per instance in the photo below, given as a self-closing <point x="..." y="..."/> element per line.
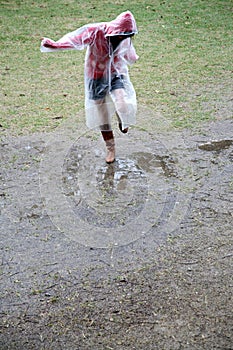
<point x="108" y="89"/>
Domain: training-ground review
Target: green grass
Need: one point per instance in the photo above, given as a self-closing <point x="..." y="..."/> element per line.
<point x="184" y="71"/>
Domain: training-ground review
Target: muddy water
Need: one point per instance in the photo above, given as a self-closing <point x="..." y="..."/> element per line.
<point x="110" y="195"/>
<point x="216" y="145"/>
<point x="113" y="187"/>
<point x="116" y="204"/>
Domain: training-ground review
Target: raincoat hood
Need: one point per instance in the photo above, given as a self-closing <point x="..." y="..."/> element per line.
<point x="124" y="24"/>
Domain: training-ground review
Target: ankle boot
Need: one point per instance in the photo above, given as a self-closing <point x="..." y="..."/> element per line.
<point x="110" y="145"/>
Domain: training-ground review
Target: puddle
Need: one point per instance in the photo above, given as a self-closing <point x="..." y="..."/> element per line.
<point x="116" y="177"/>
<point x="149" y="162"/>
<point x="132" y="193"/>
<point x="215" y="145"/>
<point x="106" y="205"/>
<point x="104" y="195"/>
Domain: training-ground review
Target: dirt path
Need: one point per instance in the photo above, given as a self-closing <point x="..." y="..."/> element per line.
<point x="133" y="256"/>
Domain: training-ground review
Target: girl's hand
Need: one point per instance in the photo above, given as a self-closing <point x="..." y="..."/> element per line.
<point x="48" y="43"/>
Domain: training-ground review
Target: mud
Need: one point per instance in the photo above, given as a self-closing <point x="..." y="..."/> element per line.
<point x="147" y="260"/>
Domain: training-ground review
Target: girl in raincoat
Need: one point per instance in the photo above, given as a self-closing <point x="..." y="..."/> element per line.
<point x="108" y="88"/>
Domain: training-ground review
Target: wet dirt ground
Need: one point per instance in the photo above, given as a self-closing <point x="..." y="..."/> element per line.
<point x="135" y="255"/>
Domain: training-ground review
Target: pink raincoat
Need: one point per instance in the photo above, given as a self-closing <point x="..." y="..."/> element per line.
<point x="102" y="61"/>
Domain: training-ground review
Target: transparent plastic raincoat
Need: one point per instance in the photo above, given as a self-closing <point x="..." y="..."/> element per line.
<point x="108" y="88"/>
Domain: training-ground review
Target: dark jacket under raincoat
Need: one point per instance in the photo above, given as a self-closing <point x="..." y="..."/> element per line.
<point x="101" y="62"/>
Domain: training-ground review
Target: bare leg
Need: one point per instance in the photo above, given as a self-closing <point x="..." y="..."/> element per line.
<point x="103" y="114"/>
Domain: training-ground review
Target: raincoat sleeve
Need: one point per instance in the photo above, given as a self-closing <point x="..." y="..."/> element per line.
<point x="76" y="40"/>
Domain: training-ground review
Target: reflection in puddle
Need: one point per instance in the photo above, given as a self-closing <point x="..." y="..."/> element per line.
<point x="119" y="176"/>
<point x="105" y="195"/>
